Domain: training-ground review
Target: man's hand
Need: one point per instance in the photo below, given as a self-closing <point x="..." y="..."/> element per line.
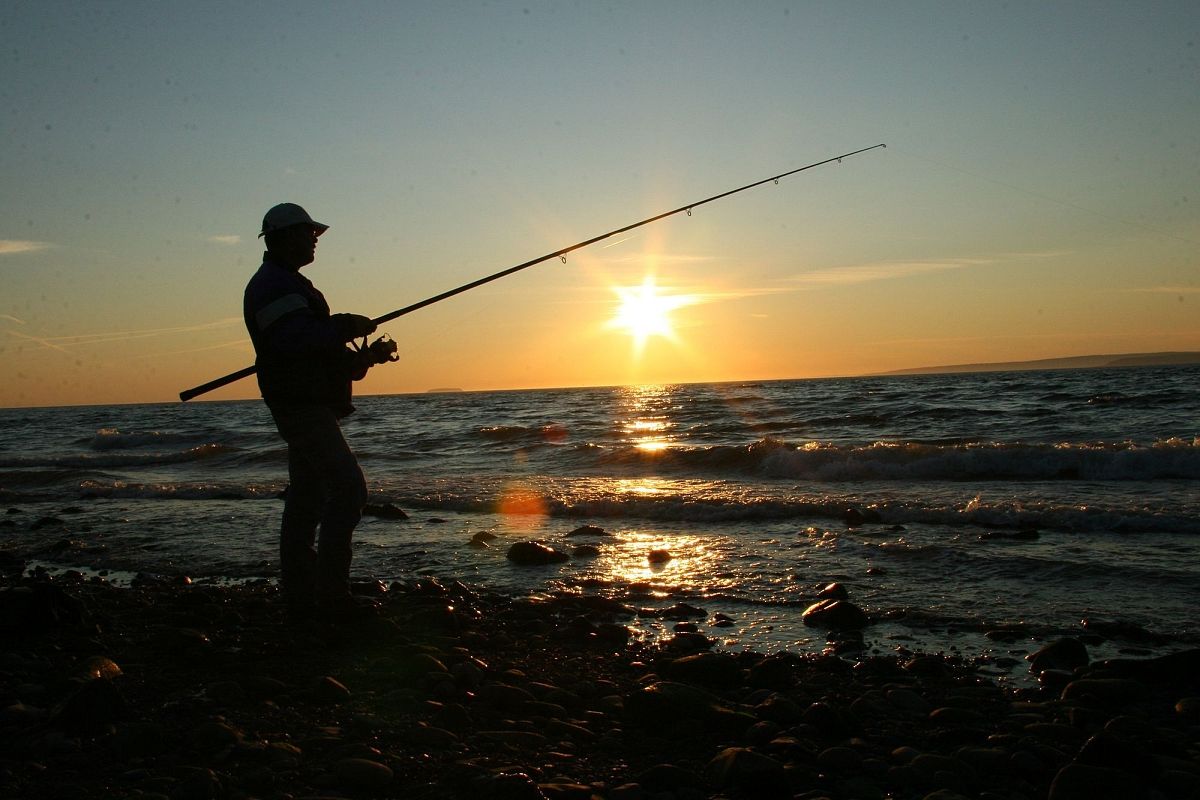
<point x="379" y="351"/>
<point x="382" y="349"/>
<point x="352" y="326"/>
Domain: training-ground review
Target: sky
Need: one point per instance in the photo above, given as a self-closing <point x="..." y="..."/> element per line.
<point x="1039" y="195"/>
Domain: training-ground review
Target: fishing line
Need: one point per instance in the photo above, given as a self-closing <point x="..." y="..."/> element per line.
<point x="188" y="394"/>
<point x="1046" y="197"/>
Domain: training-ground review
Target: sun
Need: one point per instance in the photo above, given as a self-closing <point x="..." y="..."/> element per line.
<point x="645" y="311"/>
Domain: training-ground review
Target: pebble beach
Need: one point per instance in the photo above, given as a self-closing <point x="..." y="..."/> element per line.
<point x="168" y="688"/>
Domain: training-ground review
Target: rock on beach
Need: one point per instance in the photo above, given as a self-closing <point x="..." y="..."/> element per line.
<point x="544" y="698"/>
<point x="835" y="615"/>
<point x="535" y="554"/>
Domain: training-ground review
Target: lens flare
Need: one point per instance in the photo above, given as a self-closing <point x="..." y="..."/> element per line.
<point x="522" y="508"/>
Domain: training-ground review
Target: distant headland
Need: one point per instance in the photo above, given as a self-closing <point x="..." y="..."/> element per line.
<point x="1070" y="362"/>
<point x="443" y="390"/>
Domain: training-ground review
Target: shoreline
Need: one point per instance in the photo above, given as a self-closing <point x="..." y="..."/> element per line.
<point x="167" y="689"/>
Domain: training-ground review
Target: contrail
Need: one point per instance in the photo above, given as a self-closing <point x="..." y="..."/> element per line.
<point x="43" y="342"/>
<point x="221" y="346"/>
<point x="121" y="336"/>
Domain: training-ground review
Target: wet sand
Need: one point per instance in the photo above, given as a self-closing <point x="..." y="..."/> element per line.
<point x="167" y="689"/>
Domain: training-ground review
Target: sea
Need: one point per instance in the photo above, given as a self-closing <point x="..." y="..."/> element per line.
<point x="979" y="515"/>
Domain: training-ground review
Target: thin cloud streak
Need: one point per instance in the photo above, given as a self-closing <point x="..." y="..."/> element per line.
<point x="225" y="239"/>
<point x="9" y="247"/>
<point x="884" y="270"/>
<point x="740" y="294"/>
<point x="239" y="343"/>
<point x="39" y="340"/>
<point x="1167" y="290"/>
<point x="60" y="343"/>
<point x="658" y="259"/>
<point x="11" y="318"/>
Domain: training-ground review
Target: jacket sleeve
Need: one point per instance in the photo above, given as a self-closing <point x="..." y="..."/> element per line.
<point x="283" y="318"/>
<point x="301" y="332"/>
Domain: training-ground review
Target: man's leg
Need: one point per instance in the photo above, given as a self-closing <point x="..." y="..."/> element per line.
<point x="301" y="515"/>
<point x="315" y="439"/>
<point x="345" y="498"/>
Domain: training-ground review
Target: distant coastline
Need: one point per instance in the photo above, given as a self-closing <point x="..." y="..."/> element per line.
<point x="443" y="390"/>
<point x="1070" y="362"/>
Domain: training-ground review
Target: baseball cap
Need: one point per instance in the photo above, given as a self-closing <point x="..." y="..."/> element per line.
<point x="285" y="215"/>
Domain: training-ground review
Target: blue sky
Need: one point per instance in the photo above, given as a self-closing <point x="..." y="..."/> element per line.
<point x="1037" y="197"/>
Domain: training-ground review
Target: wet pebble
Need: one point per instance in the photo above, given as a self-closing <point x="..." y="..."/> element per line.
<point x="1083" y="782"/>
<point x="743" y="769"/>
<point x="362" y="773"/>
<point x="588" y="530"/>
<point x="214" y="735"/>
<point x="1063" y="654"/>
<point x="1113" y="691"/>
<point x="329" y="690"/>
<point x="659" y="556"/>
<point x="1188" y="708"/>
<point x="833" y="591"/>
<point x="909" y="702"/>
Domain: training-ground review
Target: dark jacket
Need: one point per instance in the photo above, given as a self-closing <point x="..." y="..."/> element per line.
<point x="301" y="358"/>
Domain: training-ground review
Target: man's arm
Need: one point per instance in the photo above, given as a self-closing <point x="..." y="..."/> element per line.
<point x="301" y="332"/>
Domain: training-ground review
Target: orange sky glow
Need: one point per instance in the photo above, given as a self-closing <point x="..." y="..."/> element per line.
<point x="1033" y="201"/>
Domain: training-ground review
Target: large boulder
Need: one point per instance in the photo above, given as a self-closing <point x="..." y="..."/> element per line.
<point x="754" y="774"/>
<point x="535" y="554"/>
<point x="835" y="615"/>
<point x="1063" y="654"/>
<point x="707" y="669"/>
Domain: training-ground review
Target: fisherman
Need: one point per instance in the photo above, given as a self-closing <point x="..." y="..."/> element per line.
<point x="305" y="370"/>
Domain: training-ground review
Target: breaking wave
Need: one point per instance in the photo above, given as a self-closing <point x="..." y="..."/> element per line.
<point x="907" y="461"/>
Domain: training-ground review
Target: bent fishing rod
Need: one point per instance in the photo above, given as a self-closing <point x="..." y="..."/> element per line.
<point x="188" y="394"/>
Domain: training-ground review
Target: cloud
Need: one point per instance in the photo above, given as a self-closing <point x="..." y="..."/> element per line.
<point x="661" y="259"/>
<point x="10" y="247"/>
<point x="39" y="340"/>
<point x="11" y="318"/>
<point x="226" y="239"/>
<point x="241" y="344"/>
<point x="884" y="270"/>
<point x="1168" y="290"/>
<point x="60" y="343"/>
<point x="739" y="294"/>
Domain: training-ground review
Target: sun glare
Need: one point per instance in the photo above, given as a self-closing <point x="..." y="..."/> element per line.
<point x="645" y="311"/>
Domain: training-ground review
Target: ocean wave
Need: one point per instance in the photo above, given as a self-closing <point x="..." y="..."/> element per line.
<point x="550" y="432"/>
<point x="92" y="489"/>
<point x="1144" y="400"/>
<point x="907" y="461"/>
<point x="1014" y="515"/>
<point x="113" y="439"/>
<point x="32" y="478"/>
<point x="119" y="459"/>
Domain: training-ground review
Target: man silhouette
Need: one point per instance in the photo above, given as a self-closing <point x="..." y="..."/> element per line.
<point x="305" y="371"/>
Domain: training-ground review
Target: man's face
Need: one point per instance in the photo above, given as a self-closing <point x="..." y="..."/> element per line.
<point x="299" y="245"/>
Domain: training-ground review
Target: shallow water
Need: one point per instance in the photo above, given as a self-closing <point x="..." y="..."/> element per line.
<point x="746" y="484"/>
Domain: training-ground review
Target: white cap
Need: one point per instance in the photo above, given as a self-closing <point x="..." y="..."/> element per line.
<point x="285" y="215"/>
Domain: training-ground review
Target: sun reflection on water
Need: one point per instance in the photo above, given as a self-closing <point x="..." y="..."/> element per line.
<point x="658" y="559"/>
<point x="644" y="417"/>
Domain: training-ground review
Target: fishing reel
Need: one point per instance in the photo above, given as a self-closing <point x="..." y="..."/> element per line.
<point x="380" y="351"/>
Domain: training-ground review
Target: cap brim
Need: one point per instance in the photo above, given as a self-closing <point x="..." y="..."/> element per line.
<point x="319" y="227"/>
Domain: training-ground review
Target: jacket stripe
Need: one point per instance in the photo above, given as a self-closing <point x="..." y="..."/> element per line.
<point x="270" y="314"/>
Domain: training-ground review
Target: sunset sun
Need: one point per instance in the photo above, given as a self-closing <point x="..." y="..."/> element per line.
<point x="645" y="311"/>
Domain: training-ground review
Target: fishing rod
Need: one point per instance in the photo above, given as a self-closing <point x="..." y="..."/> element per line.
<point x="188" y="394"/>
